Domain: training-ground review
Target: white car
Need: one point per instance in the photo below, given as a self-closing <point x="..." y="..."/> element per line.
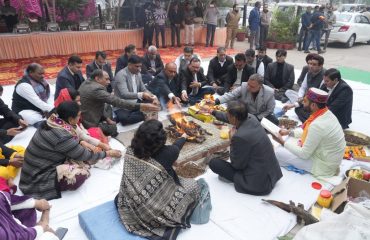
<point x="350" y="28"/>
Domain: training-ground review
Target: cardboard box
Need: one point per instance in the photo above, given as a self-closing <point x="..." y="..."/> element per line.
<point x="350" y="187"/>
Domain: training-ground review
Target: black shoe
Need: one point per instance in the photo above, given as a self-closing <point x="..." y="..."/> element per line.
<point x="321" y="51"/>
<point x="299" y="49"/>
<point x="307" y="52"/>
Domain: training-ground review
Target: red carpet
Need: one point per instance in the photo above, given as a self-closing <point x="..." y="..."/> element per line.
<point x="11" y="71"/>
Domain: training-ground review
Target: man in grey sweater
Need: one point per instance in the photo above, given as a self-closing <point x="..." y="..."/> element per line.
<point x="210" y="17"/>
<point x="258" y="97"/>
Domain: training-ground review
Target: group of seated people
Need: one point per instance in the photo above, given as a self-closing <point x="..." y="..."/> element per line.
<point x="72" y="133"/>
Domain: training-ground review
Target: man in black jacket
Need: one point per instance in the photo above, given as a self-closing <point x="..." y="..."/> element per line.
<point x="280" y="75"/>
<point x="152" y="62"/>
<point x="340" y="96"/>
<point x="101" y="63"/>
<point x="167" y="86"/>
<point x="176" y="18"/>
<point x="9" y="124"/>
<point x="70" y="76"/>
<point x="238" y="73"/>
<point x="122" y="61"/>
<point x="193" y="81"/>
<point x="217" y="70"/>
<point x="262" y="57"/>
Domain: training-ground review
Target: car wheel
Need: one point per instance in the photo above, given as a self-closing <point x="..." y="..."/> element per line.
<point x="351" y="41"/>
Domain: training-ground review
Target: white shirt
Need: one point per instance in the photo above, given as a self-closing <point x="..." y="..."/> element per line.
<point x="26" y="91"/>
<point x="238" y="80"/>
<point x="134" y="86"/>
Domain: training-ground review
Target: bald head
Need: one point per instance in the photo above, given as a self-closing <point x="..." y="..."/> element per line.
<point x="35" y="71"/>
<point x="170" y="70"/>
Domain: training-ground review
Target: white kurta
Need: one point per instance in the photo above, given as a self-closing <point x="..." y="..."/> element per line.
<point x="324" y="145"/>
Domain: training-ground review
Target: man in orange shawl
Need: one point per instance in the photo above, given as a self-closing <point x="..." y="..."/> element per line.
<point x="318" y="146"/>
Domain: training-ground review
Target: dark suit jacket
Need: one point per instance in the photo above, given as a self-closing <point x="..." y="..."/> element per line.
<point x="288" y="75"/>
<point x="340" y="103"/>
<point x="266" y="60"/>
<point x="161" y="86"/>
<point x="8" y="115"/>
<point x="232" y="75"/>
<point x="186" y="77"/>
<point x="303" y="75"/>
<point x="158" y="64"/>
<point x="252" y="156"/>
<point x="216" y="73"/>
<point x="121" y="63"/>
<point x="90" y="68"/>
<point x="65" y="79"/>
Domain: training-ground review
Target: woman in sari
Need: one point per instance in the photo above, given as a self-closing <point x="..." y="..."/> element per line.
<point x="91" y="138"/>
<point x="54" y="143"/>
<point x="153" y="202"/>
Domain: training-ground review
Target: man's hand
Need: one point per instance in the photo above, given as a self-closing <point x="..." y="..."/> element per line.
<point x="22" y="123"/>
<point x="148" y="107"/>
<point x="184" y="96"/>
<point x="278" y="139"/>
<point x="214" y="85"/>
<point x="288" y="106"/>
<point x="148" y="96"/>
<point x="176" y="101"/>
<point x="104" y="146"/>
<point x="13" y="131"/>
<point x="156" y="101"/>
<point x="114" y="153"/>
<point x="111" y="122"/>
<point x="42" y="205"/>
<point x="152" y="70"/>
<point x="16" y="161"/>
<point x="284" y="132"/>
<point x="195" y="85"/>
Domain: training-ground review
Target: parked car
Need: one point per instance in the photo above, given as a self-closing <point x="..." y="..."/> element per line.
<point x="351" y="7"/>
<point x="350" y="28"/>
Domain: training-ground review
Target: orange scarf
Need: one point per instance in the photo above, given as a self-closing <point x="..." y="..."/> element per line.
<point x="308" y="122"/>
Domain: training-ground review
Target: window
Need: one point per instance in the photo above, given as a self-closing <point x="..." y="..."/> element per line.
<point x="364" y="20"/>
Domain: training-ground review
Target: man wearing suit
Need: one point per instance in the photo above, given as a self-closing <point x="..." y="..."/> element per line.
<point x="122" y="61"/>
<point x="262" y="57"/>
<point x="70" y="76"/>
<point x="193" y="81"/>
<point x="128" y="85"/>
<point x="217" y="70"/>
<point x="280" y="75"/>
<point x="166" y="85"/>
<point x="152" y="65"/>
<point x="238" y="73"/>
<point x="258" y="97"/>
<point x="253" y="167"/>
<point x="94" y="96"/>
<point x="101" y="63"/>
<point x="340" y="96"/>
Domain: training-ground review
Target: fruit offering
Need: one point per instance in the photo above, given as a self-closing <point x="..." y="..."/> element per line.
<point x="354" y="151"/>
<point x="359" y="174"/>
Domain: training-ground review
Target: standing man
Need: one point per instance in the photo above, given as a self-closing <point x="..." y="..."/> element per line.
<point x="280" y="75"/>
<point x="330" y="20"/>
<point x="217" y="70"/>
<point x="316" y="26"/>
<point x="232" y="24"/>
<point x="189" y="16"/>
<point x="148" y="22"/>
<point x="9" y="14"/>
<point x="160" y="16"/>
<point x="210" y="16"/>
<point x="303" y="32"/>
<point x="70" y="76"/>
<point x="265" y="24"/>
<point x="176" y="18"/>
<point x="122" y="61"/>
<point x="101" y="63"/>
<point x="254" y="21"/>
<point x="193" y="81"/>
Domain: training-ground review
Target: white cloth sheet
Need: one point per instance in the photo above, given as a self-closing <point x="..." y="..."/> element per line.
<point x="234" y="216"/>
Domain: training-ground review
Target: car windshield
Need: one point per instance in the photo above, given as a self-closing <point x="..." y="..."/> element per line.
<point x="344" y="17"/>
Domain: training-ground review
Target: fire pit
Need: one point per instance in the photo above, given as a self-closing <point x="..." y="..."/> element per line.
<point x="181" y="125"/>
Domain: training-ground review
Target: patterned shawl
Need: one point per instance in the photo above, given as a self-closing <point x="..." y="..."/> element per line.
<point x="150" y="203"/>
<point x="55" y="122"/>
<point x="42" y="88"/>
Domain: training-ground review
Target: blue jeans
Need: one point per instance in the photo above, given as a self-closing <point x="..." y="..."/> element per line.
<point x="314" y="35"/>
<point x="210" y="34"/>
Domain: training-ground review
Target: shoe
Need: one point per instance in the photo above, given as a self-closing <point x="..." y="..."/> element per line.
<point x="222" y="179"/>
<point x="164" y="46"/>
<point x="179" y="45"/>
<point x="206" y="45"/>
<point x="299" y="49"/>
<point x="321" y="51"/>
<point x="307" y="52"/>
